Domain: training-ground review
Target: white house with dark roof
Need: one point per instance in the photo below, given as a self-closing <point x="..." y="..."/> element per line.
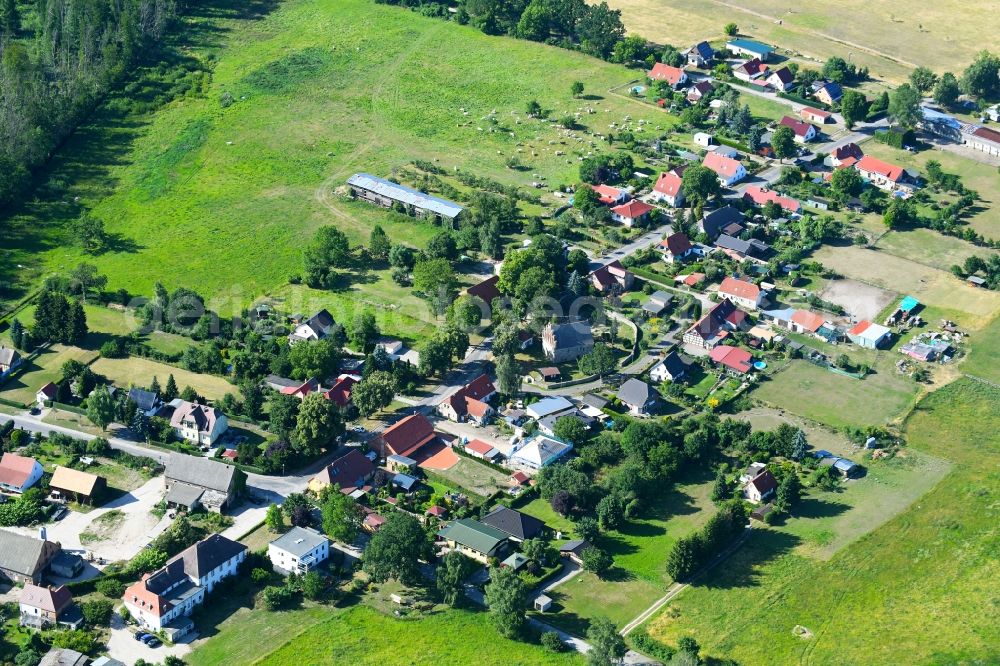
<point x="637" y="396"/>
<point x="197" y="423"/>
<point x="315" y="327"/>
<point x="299" y="550"/>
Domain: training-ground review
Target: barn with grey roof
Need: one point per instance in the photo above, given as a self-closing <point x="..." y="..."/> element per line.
<point x="385" y="193"/>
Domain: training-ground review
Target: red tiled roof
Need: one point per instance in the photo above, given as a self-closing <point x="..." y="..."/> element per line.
<point x="231" y="454"/>
<point x="859" y="328"/>
<point x="486" y="290"/>
<point x="676" y="243"/>
<point x="436" y="511"/>
<point x="669" y="183"/>
<point x="607" y="194"/>
<point x="816" y="112"/>
<point x="349" y="471"/>
<point x="15" y="470"/>
<point x="731" y="357"/>
<point x="739" y="288"/>
<point x="633" y="209"/>
<point x="478" y="446"/>
<point x="519" y="478"/>
<point x="671" y="75"/>
<point x="138" y="594"/>
<point x="720" y="164"/>
<point x="884" y="169"/>
<point x="340" y="392"/>
<point x="988" y="134"/>
<point x="848" y="150"/>
<point x="800" y="127"/>
<point x="752" y="67"/>
<point x="761" y="195"/>
<point x="408" y="435"/>
<point x="810" y="321"/>
<point x="693" y="279"/>
<point x="304" y="389"/>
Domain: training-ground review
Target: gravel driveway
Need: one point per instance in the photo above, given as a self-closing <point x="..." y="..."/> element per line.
<point x="123" y="646"/>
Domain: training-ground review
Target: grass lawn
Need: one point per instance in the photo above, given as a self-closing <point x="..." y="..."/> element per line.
<point x="919" y="589"/>
<point x="323" y="89"/>
<point x="541" y="509"/>
<point x="958" y="301"/>
<point x="984" y="357"/>
<point x="640" y="551"/>
<point x="140" y="372"/>
<point x="325" y="635"/>
<point x="168" y="343"/>
<point x="259" y="538"/>
<point x="72" y="420"/>
<point x="821" y="395"/>
<point x="474" y="476"/>
<point x="45" y="368"/>
<point x="930" y="248"/>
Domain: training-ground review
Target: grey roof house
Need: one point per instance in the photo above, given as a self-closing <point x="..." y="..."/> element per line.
<point x="726" y="220"/>
<point x="637" y="396"/>
<point x="192" y="481"/>
<point x="24" y="559"/>
<point x="567" y="342"/>
<point x="518" y="526"/>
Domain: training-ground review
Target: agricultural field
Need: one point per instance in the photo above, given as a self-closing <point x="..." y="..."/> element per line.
<point x="921" y="585"/>
<point x="930" y="248"/>
<point x="889" y="41"/>
<point x="324" y="635"/>
<point x="136" y="371"/>
<point x="836" y="400"/>
<point x="322" y="89"/>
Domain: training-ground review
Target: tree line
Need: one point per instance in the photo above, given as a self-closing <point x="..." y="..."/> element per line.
<point x="58" y="58"/>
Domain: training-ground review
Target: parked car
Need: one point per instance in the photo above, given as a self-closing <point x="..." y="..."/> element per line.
<point x="154" y="642"/>
<point x="59" y="512"/>
<point x="142" y="636"/>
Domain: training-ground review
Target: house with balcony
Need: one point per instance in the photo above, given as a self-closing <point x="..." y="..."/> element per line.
<point x="298" y="551"/>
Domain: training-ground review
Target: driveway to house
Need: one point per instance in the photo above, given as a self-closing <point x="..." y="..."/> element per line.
<point x="136" y="529"/>
<point x="123" y="646"/>
<point x="648" y="239"/>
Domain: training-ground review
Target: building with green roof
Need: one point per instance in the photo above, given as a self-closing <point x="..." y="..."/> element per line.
<point x="473" y="538"/>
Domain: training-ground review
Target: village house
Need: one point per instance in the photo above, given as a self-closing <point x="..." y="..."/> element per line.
<point x="471" y="402"/>
<point x="671" y="368"/>
<point x="47" y="607"/>
<point x="675" y="248"/>
<point x="637" y="396"/>
<point x="316" y="327"/>
<point x="669" y="189"/>
<point x="827" y="92"/>
<point x="781" y="80"/>
<point x="198" y="424"/>
<point x="46" y="394"/>
<point x="192" y="481"/>
<point x="881" y="174"/>
<point x="658" y="302"/>
<point x="406" y="437"/>
<point x="477" y="448"/>
<point x="10" y="359"/>
<point x="744" y="294"/>
<point x="145" y="401"/>
<point x="750" y="71"/>
<point x="610" y="196"/>
<point x="702" y="139"/>
<point x="567" y="342"/>
<point x="699" y="55"/>
<point x="573" y="550"/>
<point x="715" y="325"/>
<point x="675" y="77"/>
<point x="486" y="290"/>
<point x="518" y="527"/>
<point x="869" y="335"/>
<point x="298" y="551"/>
<point x="726" y="220"/>
<point x="72" y="484"/>
<point x="811" y="115"/>
<point x="730" y="171"/>
<point x="340" y="393"/>
<point x="697" y="91"/>
<point x="18" y="473"/>
<point x="386" y="193"/>
<point x="24" y="559"/>
<point x="631" y="213"/>
<point x="749" y="48"/>
<point x="846" y="155"/>
<point x="351" y="471"/>
<point x="734" y="361"/>
<point x="760" y="487"/>
<point x="804" y="132"/>
<point x="739" y="249"/>
<point x="539" y="451"/>
<point x="761" y="195"/>
<point x="474" y="539"/>
<point x="691" y="280"/>
<point x="555" y="406"/>
<point x="163" y="600"/>
<point x="612" y="278"/>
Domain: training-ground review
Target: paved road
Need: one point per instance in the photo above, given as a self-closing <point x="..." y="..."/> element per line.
<point x="648" y="239"/>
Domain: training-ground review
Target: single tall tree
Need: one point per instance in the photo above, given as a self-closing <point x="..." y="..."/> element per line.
<point x="101" y="407"/>
<point x="396" y="549"/>
<point x="506" y="598"/>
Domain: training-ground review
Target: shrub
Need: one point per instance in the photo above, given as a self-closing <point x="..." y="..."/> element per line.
<point x="260" y="575"/>
<point x="97" y="613"/>
<point x="550" y="641"/>
<point x="275" y="597"/>
<point x="112" y="588"/>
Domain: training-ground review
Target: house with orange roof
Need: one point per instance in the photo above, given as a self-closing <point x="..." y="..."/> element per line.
<point x="809" y="114"/>
<point x="340" y="392"/>
<point x="730" y="171"/>
<point x="803" y="321"/>
<point x="631" y="212"/>
<point x="881" y="174"/>
<point x="18" y="473"/>
<point x="761" y="195"/>
<point x="869" y="335"/>
<point x="669" y="189"/>
<point x="675" y="77"/>
<point x="477" y="448"/>
<point x="690" y="279"/>
<point x="471" y="402"/>
<point x="733" y="360"/>
<point x="406" y="437"/>
<point x="610" y="196"/>
<point x="751" y="70"/>
<point x="742" y="293"/>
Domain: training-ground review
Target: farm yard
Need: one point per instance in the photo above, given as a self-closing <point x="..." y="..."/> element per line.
<point x="933" y="559"/>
